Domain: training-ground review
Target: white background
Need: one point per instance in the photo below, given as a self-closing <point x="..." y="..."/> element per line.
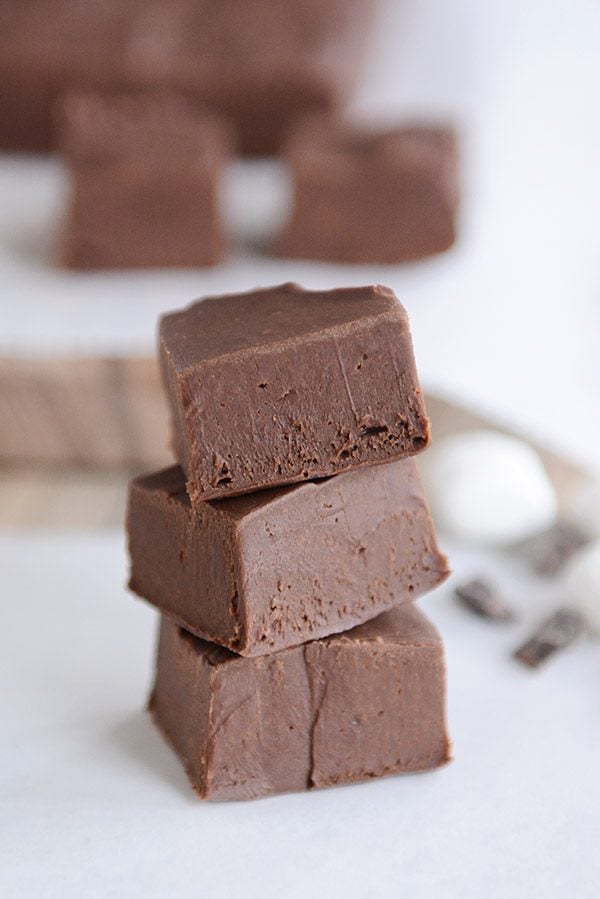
<point x="93" y="803"/>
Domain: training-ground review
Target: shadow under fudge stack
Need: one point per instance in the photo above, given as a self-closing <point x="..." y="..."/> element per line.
<point x="283" y="556"/>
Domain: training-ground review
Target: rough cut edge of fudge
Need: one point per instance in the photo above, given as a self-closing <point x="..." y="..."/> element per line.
<point x="364" y="195"/>
<point x="281" y="384"/>
<point x="273" y="569"/>
<point x="363" y="704"/>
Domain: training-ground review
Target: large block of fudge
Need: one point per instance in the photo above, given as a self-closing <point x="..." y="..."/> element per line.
<point x="282" y="384"/>
<point x="144" y="173"/>
<point x="277" y="568"/>
<point x="371" y="197"/>
<point x="362" y="704"/>
<point x="260" y="62"/>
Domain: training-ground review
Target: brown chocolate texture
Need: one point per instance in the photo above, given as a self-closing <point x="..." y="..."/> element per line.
<point x="274" y="569"/>
<point x="144" y="182"/>
<point x="362" y="704"/>
<point x="371" y="197"/>
<point x="48" y="47"/>
<point x="260" y="62"/>
<point x="282" y="384"/>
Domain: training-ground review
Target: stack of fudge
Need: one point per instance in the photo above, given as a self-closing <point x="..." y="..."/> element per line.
<point x="285" y="550"/>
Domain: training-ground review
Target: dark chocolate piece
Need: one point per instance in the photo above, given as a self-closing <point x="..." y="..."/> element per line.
<point x="273" y="569"/>
<point x="282" y="384"/>
<point x="550" y="551"/>
<point x="380" y="197"/>
<point x="557" y="632"/>
<point x="480" y="597"/>
<point x="144" y="174"/>
<point x="358" y="705"/>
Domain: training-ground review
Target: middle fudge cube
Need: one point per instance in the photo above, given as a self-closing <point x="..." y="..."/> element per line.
<point x="269" y="570"/>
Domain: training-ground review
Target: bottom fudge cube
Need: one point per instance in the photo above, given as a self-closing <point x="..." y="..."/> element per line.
<point x="346" y="708"/>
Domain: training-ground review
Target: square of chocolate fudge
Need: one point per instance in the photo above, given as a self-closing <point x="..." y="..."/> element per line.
<point x="362" y="704"/>
<point x="144" y="182"/>
<point x="273" y="569"/>
<point x="284" y="384"/>
<point x="370" y="197"/>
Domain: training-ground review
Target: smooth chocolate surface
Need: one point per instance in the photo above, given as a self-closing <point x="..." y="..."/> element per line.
<point x="259" y="62"/>
<point x="282" y="384"/>
<point x="273" y="569"/>
<point x="362" y="704"/>
<point x="144" y="173"/>
<point x="371" y="197"/>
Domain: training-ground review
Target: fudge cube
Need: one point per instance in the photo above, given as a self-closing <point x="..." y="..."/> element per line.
<point x="370" y="197"/>
<point x="282" y="384"/>
<point x="273" y="569"/>
<point x="144" y="173"/>
<point x="362" y="704"/>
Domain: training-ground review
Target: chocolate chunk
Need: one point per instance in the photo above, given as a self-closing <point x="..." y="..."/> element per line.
<point x="265" y="571"/>
<point x="558" y="632"/>
<point x="549" y="551"/>
<point x="378" y="197"/>
<point x="480" y="597"/>
<point x="144" y="174"/>
<point x="358" y="705"/>
<point x="280" y="385"/>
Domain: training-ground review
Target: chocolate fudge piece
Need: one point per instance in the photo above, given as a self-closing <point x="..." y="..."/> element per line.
<point x="283" y="384"/>
<point x="261" y="63"/>
<point x="265" y="571"/>
<point x="145" y="173"/>
<point x="358" y="705"/>
<point x="370" y="197"/>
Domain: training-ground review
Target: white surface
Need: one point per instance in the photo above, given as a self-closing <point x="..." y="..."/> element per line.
<point x="582" y="584"/>
<point x="94" y="803"/>
<point x="508" y="321"/>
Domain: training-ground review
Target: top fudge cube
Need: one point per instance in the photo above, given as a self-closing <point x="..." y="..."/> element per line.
<point x="280" y="385"/>
<point x="144" y="172"/>
<point x="371" y="197"/>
